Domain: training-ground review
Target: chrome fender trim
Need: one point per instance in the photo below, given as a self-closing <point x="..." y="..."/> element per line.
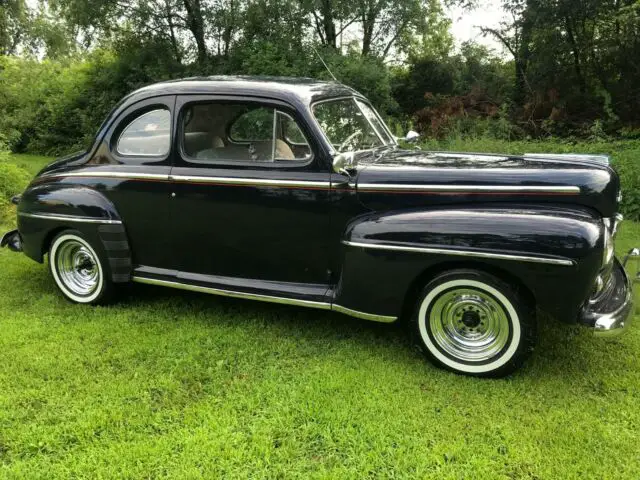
<point x="70" y="218"/>
<point x="462" y="253"/>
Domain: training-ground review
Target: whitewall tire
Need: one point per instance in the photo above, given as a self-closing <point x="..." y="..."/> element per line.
<point x="78" y="269"/>
<point x="473" y="323"/>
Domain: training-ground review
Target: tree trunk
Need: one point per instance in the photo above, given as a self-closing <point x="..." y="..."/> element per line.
<point x="195" y="24"/>
<point x="523" y="54"/>
<point x="172" y="34"/>
<point x="576" y="57"/>
<point x="328" y="24"/>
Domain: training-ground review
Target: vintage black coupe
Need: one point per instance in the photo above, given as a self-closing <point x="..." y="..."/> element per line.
<point x="295" y="191"/>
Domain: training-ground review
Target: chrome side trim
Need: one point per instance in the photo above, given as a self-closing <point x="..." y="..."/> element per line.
<point x="249" y="181"/>
<point x="469" y="188"/>
<point x="196" y="179"/>
<point x="69" y="218"/>
<point x="601" y="159"/>
<point x="363" y="315"/>
<point x="232" y="293"/>
<point x="462" y="253"/>
<point x="107" y="174"/>
<point x="263" y="298"/>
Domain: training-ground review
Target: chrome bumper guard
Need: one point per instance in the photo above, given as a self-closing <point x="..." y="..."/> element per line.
<point x="632" y="264"/>
<point x="12" y="240"/>
<point x="611" y="315"/>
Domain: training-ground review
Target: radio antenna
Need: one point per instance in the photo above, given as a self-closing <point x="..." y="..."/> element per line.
<point x="325" y="65"/>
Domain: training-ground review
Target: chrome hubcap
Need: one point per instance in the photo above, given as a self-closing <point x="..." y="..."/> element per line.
<point x="77" y="268"/>
<point x="469" y="324"/>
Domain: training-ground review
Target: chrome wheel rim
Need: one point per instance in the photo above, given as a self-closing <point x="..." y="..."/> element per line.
<point x="469" y="325"/>
<point x="77" y="268"/>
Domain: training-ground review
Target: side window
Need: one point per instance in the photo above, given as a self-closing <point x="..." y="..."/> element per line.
<point x="147" y="135"/>
<point x="242" y="132"/>
<point x="254" y="126"/>
<point x="291" y="143"/>
<point x="291" y="131"/>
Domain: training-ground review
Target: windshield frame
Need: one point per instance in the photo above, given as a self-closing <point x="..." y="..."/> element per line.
<point x="356" y="98"/>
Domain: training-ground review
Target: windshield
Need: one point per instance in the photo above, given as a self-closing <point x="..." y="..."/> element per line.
<point x="351" y="125"/>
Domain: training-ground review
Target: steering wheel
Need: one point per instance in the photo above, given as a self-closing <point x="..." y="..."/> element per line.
<point x="349" y="139"/>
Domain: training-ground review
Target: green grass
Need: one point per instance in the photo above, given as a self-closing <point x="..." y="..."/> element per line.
<point x="168" y="384"/>
<point x="31" y="163"/>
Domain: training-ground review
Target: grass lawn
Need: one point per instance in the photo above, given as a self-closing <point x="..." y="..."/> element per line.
<point x="179" y="385"/>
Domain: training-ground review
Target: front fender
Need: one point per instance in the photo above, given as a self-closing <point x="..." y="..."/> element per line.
<point x="46" y="209"/>
<point x="554" y="252"/>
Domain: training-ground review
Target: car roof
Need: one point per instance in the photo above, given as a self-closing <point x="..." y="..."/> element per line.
<point x="290" y="89"/>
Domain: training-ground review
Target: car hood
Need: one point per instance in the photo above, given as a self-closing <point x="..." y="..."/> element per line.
<point x="401" y="178"/>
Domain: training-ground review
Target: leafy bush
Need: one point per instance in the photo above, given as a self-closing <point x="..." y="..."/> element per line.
<point x="13" y="180"/>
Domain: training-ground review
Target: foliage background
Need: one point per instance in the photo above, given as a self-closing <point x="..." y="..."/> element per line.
<point x="571" y="73"/>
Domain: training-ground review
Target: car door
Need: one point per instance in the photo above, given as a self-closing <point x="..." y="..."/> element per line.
<point x="248" y="203"/>
<point x="131" y="166"/>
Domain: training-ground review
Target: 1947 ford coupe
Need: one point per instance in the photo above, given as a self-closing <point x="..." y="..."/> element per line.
<point x="295" y="191"/>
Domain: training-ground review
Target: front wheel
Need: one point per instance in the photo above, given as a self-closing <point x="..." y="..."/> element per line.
<point x="78" y="269"/>
<point x="473" y="323"/>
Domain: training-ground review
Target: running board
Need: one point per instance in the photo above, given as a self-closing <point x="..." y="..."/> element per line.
<point x="264" y="298"/>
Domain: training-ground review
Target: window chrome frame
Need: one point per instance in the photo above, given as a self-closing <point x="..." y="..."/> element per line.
<point x="191" y="162"/>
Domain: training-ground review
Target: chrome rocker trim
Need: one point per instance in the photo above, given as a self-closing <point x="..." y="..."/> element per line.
<point x="462" y="253"/>
<point x="70" y="218"/>
<point x="365" y="316"/>
<point x="264" y="298"/>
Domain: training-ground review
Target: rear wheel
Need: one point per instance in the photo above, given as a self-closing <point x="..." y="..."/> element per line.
<point x="78" y="269"/>
<point x="473" y="323"/>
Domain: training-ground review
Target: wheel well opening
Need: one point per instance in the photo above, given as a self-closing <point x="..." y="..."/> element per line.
<point x="46" y="244"/>
<point x="426" y="276"/>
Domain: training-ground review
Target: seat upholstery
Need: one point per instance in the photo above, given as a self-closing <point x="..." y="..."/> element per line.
<point x="283" y="151"/>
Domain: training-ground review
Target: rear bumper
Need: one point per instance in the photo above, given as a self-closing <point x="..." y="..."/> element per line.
<point x="612" y="314"/>
<point x="12" y="240"/>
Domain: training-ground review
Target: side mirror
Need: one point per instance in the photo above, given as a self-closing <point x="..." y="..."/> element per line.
<point x="412" y="137"/>
<point x="345" y="163"/>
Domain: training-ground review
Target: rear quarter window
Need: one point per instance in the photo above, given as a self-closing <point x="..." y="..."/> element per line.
<point x="147" y="135"/>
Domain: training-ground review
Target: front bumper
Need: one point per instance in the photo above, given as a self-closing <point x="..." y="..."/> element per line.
<point x="612" y="313"/>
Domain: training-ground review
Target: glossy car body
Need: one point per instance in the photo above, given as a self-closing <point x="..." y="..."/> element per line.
<point x="360" y="241"/>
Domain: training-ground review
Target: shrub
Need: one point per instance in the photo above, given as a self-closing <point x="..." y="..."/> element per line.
<point x="13" y="180"/>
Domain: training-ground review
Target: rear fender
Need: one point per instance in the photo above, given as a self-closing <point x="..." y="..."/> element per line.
<point x="46" y="210"/>
<point x="555" y="253"/>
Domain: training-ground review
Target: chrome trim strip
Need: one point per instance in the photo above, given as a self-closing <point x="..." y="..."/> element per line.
<point x="470" y="188"/>
<point x="264" y="298"/>
<point x="231" y="293"/>
<point x="107" y="174"/>
<point x="195" y="179"/>
<point x="250" y="181"/>
<point x="70" y="218"/>
<point x="462" y="253"/>
<point x="363" y="315"/>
